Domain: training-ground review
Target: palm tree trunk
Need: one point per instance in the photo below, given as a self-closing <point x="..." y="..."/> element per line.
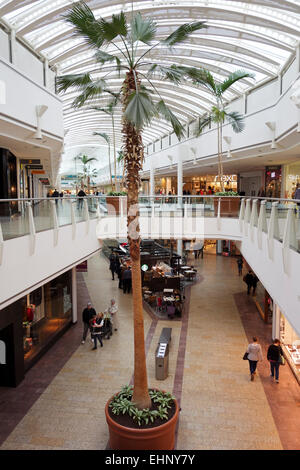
<point x="115" y="158"/>
<point x="220" y="172"/>
<point x="221" y="157"/>
<point x="133" y="149"/>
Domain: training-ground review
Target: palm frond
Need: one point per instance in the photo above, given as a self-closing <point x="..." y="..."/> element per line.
<point x="182" y="33"/>
<point x="103" y="135"/>
<point x="90" y="91"/>
<point x="231" y="79"/>
<point x="204" y="121"/>
<point x="140" y="109"/>
<point x="116" y="27"/>
<point x="172" y="73"/>
<point x="78" y="80"/>
<point x="199" y="76"/>
<point x="142" y="29"/>
<point x="104" y="57"/>
<point x="169" y="116"/>
<point x="236" y="120"/>
<point x="86" y="26"/>
<point x="121" y="156"/>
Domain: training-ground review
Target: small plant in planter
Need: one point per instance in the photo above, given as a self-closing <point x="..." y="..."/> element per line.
<point x="163" y="407"/>
<point x="117" y="193"/>
<point x="226" y="193"/>
<point x="229" y="207"/>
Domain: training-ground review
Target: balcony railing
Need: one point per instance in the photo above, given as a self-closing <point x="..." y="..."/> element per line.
<point x="19" y="217"/>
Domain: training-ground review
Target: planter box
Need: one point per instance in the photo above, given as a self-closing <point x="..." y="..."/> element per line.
<point x="158" y="438"/>
<point x="114" y="205"/>
<point x="230" y="206"/>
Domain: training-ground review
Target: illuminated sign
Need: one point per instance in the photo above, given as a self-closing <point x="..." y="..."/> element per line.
<point x="145" y="267"/>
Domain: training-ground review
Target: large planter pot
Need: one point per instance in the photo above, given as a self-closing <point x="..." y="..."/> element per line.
<point x="229" y="206"/>
<point x="114" y="205"/>
<point x="158" y="438"/>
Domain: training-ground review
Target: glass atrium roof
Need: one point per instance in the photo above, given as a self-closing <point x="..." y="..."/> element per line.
<point x="257" y="36"/>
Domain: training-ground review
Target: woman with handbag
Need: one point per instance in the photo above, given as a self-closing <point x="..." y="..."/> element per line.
<point x="274" y="356"/>
<point x="254" y="355"/>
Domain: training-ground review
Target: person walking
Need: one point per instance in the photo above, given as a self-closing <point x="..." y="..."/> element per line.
<point x="255" y="280"/>
<point x="112" y="265"/>
<point x="248" y="279"/>
<point x="240" y="263"/>
<point x="81" y="194"/>
<point x="126" y="280"/>
<point x="254" y="355"/>
<point x="297" y="196"/>
<point x="273" y="356"/>
<point x="113" y="310"/>
<point x="56" y="195"/>
<point x="97" y="324"/>
<point x="88" y="313"/>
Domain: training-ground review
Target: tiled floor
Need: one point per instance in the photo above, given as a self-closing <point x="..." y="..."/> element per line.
<point x="60" y="404"/>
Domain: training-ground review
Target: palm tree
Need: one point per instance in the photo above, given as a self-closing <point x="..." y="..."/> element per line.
<point x="120" y="160"/>
<point x="107" y="140"/>
<point x="85" y="160"/>
<point x="219" y="114"/>
<point x="110" y="110"/>
<point x="139" y="106"/>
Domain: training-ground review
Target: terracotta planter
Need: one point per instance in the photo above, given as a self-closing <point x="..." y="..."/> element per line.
<point x="230" y="206"/>
<point x="159" y="438"/>
<point x="114" y="205"/>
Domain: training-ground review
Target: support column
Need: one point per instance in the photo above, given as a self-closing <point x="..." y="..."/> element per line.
<point x="152" y="184"/>
<point x="276" y="322"/>
<point x="179" y="175"/>
<point x="74" y="295"/>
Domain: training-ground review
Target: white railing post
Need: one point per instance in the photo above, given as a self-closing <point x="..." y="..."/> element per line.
<point x="253" y="218"/>
<point x="1" y="244"/>
<point x="247" y="216"/>
<point x="31" y="224"/>
<point x="262" y="223"/>
<point x="242" y="214"/>
<point x="86" y="214"/>
<point x="121" y="207"/>
<point x="55" y="222"/>
<point x="273" y="231"/>
<point x="73" y="218"/>
<point x="289" y="237"/>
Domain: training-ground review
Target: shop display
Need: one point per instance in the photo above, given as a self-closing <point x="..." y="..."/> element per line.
<point x="290" y="342"/>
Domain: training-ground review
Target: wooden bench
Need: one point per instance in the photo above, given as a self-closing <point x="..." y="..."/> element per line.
<point x="165" y="336"/>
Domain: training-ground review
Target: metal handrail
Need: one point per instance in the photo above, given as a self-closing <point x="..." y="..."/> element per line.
<point x="155" y="196"/>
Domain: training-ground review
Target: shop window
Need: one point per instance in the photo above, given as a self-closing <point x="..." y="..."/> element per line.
<point x="47" y="312"/>
<point x="291" y="342"/>
<point x="2" y="352"/>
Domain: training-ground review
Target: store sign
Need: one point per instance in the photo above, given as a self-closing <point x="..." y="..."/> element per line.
<point x="30" y="162"/>
<point x="145" y="267"/>
<point x="2" y="353"/>
<point x="230" y="178"/>
<point x="34" y="167"/>
<point x="44" y="181"/>
<point x="294" y="177"/>
<point x="38" y="172"/>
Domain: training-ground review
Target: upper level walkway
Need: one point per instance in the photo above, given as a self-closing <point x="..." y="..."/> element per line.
<point x="39" y="239"/>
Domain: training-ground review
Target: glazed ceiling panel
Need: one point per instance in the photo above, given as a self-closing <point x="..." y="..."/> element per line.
<point x="257" y="36"/>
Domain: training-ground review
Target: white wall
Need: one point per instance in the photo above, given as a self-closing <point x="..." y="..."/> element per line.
<point x="20" y="271"/>
<point x="4" y="45"/>
<point x="29" y="64"/>
<point x="22" y="95"/>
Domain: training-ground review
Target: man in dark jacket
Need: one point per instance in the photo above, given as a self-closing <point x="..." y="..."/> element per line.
<point x="87" y="314"/>
<point x="126" y="280"/>
<point x="248" y="280"/>
<point x="273" y="356"/>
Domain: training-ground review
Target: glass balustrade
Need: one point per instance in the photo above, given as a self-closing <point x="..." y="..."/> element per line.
<point x="19" y="217"/>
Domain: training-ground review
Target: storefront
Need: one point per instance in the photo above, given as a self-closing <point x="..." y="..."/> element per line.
<point x="30" y="326"/>
<point x="197" y="185"/>
<point x="273" y="181"/>
<point x="165" y="185"/>
<point x="291" y="179"/>
<point x="289" y="338"/>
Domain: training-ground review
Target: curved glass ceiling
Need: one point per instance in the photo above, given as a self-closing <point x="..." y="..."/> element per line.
<point x="257" y="36"/>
